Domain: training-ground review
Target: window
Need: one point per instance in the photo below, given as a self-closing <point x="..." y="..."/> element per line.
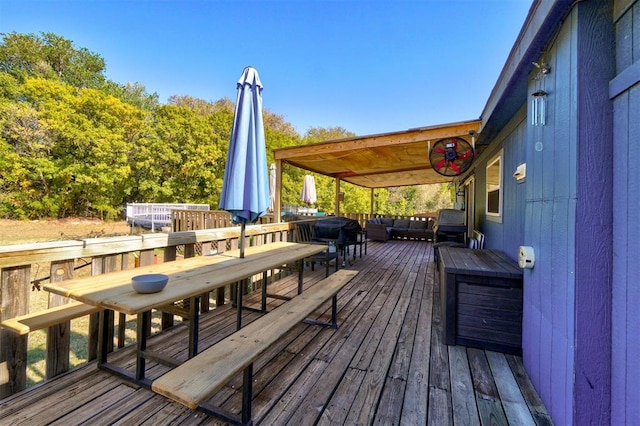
<point x="494" y="186"/>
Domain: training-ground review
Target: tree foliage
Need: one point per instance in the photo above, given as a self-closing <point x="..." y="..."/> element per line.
<point x="73" y="143"/>
<point x="52" y="57"/>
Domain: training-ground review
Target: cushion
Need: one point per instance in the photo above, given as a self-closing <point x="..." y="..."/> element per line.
<point x="401" y="223"/>
<point x="418" y="224"/>
<point x="387" y="221"/>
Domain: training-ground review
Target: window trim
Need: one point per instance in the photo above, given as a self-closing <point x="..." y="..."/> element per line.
<point x="499" y="157"/>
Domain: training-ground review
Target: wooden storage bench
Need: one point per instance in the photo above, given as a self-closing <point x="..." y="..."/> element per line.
<point x="481" y="294"/>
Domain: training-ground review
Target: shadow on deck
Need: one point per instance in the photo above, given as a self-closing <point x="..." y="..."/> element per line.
<point x="386" y="364"/>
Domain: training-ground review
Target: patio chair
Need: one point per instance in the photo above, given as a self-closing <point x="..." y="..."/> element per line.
<point x="475" y="242"/>
<point x="304" y="234"/>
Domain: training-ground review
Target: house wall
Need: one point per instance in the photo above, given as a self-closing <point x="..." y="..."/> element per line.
<point x="625" y="93"/>
<point x="507" y="232"/>
<point x="566" y="313"/>
<point x="564" y="210"/>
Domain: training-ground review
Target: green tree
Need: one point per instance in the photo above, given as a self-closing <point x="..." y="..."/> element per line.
<point x="72" y="148"/>
<point x="50" y="56"/>
<point x="132" y="93"/>
<point x="190" y="156"/>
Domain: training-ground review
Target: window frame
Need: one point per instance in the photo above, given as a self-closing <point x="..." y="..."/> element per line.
<point x="498" y="158"/>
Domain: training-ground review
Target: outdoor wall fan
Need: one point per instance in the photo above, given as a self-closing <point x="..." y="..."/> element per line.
<point x="451" y="156"/>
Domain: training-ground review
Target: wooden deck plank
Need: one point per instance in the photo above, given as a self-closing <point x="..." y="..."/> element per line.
<point x="489" y="403"/>
<point x="415" y="403"/>
<point x="515" y="407"/>
<point x="385" y="364"/>
<point x="338" y="361"/>
<point x="440" y="405"/>
<point x="465" y="410"/>
<point x="324" y="389"/>
<point x="537" y="408"/>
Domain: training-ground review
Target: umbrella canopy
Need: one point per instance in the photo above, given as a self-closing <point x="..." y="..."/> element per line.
<point x="245" y="189"/>
<point x="272" y="187"/>
<point x="309" y="190"/>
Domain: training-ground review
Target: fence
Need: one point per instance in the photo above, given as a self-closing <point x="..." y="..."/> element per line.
<point x="156" y="216"/>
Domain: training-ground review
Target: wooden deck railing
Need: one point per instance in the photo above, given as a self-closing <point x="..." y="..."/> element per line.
<point x="191" y="220"/>
<point x="104" y="255"/>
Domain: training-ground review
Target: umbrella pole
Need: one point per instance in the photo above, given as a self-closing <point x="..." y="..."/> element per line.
<point x="242" y="225"/>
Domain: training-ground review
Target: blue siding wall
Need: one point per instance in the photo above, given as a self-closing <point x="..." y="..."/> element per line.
<point x="507" y="233"/>
<point x="564" y="211"/>
<point x="566" y="314"/>
<point x="548" y="309"/>
<point x="625" y="371"/>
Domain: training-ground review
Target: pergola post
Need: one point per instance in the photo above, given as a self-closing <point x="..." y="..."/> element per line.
<point x="277" y="207"/>
<point x="372" y="201"/>
<point x="337" y="204"/>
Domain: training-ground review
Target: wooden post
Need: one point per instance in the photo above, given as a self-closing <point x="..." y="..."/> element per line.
<point x="373" y="196"/>
<point x="170" y="254"/>
<point x="221" y="245"/>
<point x="205" y="303"/>
<point x="277" y="208"/>
<point x="14" y="300"/>
<point x="337" y="202"/>
<point x="147" y="257"/>
<point x="59" y="336"/>
<point x="102" y="265"/>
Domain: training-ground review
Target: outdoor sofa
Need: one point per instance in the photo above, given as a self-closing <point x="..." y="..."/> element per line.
<point x="384" y="229"/>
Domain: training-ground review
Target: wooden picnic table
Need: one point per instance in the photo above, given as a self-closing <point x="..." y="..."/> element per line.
<point x="188" y="279"/>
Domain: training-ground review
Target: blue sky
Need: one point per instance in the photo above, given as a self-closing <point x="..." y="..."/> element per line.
<point x="369" y="66"/>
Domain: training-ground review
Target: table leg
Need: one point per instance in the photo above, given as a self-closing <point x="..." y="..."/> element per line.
<point x="103" y="333"/>
<point x="194" y="325"/>
<point x="239" y="305"/>
<point x="300" y="276"/>
<point x="264" y="292"/>
<point x="143" y="325"/>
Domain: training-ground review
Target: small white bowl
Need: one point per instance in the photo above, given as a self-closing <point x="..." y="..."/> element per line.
<point x="149" y="283"/>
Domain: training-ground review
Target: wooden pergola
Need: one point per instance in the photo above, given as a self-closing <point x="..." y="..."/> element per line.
<point x="375" y="161"/>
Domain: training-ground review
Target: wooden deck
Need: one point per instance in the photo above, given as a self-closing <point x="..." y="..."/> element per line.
<point x="386" y="364"/>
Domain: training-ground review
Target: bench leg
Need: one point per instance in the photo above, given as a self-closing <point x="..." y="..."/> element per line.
<point x="247" y="394"/>
<point x="334" y="316"/>
<point x="334" y="311"/>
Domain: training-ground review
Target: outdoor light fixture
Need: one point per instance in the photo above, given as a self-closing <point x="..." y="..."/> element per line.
<point x="539" y="108"/>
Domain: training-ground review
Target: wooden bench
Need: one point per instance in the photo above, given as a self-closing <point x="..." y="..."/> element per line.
<point x="25" y="324"/>
<point x="202" y="376"/>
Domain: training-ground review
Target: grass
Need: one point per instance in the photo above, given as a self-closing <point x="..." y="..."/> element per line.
<point x="24" y="232"/>
<point x="35" y="231"/>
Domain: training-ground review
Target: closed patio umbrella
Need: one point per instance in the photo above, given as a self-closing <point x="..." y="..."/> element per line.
<point x="245" y="189"/>
<point x="308" y="194"/>
<point x="272" y="187"/>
